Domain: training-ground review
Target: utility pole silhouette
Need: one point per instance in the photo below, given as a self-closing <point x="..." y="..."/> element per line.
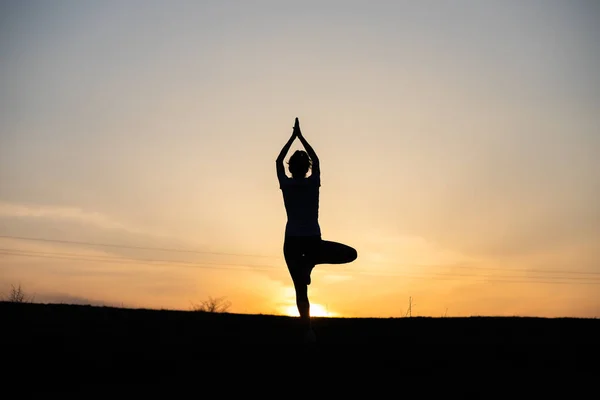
<point x="409" y="311"/>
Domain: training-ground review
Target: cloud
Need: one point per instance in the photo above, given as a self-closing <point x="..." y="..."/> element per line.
<point x="71" y="214"/>
<point x="73" y="224"/>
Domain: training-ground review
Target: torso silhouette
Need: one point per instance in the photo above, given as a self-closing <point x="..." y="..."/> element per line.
<point x="301" y="199"/>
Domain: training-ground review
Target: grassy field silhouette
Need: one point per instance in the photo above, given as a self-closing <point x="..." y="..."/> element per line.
<point x="165" y="343"/>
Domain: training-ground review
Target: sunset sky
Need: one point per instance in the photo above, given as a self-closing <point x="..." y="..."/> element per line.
<point x="459" y="145"/>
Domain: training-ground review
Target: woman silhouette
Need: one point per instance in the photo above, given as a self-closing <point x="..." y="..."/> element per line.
<point x="303" y="246"/>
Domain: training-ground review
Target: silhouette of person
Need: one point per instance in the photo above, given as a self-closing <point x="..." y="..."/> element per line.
<point x="303" y="246"/>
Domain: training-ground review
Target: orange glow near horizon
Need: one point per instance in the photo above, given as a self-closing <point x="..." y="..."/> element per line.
<point x="316" y="310"/>
<point x="369" y="287"/>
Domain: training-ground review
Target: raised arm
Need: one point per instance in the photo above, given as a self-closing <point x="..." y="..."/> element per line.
<point x="316" y="165"/>
<point x="282" y="154"/>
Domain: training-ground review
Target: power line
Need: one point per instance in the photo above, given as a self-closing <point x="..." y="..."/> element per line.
<point x="538" y="271"/>
<point x="134" y="247"/>
<point x="251" y="267"/>
<point x="535" y="271"/>
<point x="502" y="276"/>
<point x="133" y="261"/>
<point x="96" y="257"/>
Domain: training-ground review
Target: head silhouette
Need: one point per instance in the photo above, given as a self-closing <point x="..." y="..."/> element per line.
<point x="299" y="164"/>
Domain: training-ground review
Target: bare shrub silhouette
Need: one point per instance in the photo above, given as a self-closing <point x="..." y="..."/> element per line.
<point x="212" y="305"/>
<point x="18" y="295"/>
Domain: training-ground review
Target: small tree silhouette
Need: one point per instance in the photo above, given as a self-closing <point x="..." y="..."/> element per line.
<point x="17" y="295"/>
<point x="212" y="305"/>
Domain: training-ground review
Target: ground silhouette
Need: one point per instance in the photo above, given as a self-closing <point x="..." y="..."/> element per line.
<point x="85" y="342"/>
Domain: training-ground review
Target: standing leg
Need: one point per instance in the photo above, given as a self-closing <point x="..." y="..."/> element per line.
<point x="302" y="302"/>
<point x="293" y="251"/>
<point x="301" y="288"/>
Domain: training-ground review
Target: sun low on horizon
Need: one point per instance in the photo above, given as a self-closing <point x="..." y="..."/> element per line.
<point x="458" y="152"/>
<point x="316" y="310"/>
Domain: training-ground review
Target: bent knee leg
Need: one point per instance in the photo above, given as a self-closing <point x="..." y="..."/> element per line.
<point x="336" y="253"/>
<point x="351" y="254"/>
